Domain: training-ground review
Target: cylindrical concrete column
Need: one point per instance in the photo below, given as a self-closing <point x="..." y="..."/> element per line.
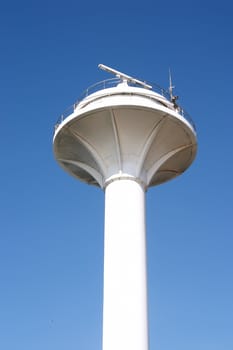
<point x="125" y="324"/>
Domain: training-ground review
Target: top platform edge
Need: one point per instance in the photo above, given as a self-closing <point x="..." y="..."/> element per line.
<point x="110" y="83"/>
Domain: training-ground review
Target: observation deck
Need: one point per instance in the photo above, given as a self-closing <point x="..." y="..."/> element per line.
<point x="118" y="129"/>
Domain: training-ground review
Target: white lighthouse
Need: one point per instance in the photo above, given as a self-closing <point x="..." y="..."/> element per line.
<point x="124" y="137"/>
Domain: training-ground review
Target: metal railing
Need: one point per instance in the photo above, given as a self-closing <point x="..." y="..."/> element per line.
<point x="108" y="83"/>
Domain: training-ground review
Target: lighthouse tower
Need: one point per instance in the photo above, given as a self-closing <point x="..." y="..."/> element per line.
<point x="125" y="137"/>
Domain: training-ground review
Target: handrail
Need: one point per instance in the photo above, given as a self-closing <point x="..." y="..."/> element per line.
<point x="105" y="84"/>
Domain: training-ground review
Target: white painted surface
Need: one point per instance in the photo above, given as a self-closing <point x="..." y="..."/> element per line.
<point x="127" y="130"/>
<point x="120" y="138"/>
<point x="125" y="325"/>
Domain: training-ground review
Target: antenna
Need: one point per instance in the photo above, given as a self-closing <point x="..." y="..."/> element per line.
<point x="171" y="87"/>
<point x="124" y="76"/>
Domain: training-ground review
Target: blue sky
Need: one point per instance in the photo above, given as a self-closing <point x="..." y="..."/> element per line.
<point x="51" y="226"/>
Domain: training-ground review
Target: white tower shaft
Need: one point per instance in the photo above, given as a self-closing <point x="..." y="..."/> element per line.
<point x="125" y="324"/>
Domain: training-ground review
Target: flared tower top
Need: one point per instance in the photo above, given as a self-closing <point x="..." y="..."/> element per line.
<point x="125" y="131"/>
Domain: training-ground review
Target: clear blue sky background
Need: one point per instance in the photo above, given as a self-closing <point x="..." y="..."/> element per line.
<point x="51" y="226"/>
